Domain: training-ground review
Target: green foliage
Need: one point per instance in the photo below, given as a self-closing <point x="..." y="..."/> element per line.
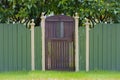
<point x="24" y="10"/>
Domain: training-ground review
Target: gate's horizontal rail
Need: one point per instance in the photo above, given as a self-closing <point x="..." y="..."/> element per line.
<point x="60" y="39"/>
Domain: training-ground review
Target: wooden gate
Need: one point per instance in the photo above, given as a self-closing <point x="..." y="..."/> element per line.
<point x="59" y="43"/>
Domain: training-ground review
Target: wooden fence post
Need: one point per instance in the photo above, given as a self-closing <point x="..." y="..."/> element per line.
<point x="76" y="43"/>
<point x="43" y="40"/>
<point x="87" y="44"/>
<point x="32" y="46"/>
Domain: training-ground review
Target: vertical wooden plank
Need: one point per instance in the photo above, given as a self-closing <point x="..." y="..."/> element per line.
<point x="1" y="47"/>
<point x="70" y="55"/>
<point x="73" y="55"/>
<point x="60" y="55"/>
<point x="52" y="55"/>
<point x="65" y="47"/>
<point x="57" y="54"/>
<point x="67" y="55"/>
<point x="58" y="62"/>
<point x="62" y="59"/>
<point x="46" y="35"/>
<point x="63" y="54"/>
<point x="53" y="58"/>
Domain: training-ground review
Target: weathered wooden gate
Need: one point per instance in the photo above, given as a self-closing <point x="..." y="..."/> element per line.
<point x="59" y="43"/>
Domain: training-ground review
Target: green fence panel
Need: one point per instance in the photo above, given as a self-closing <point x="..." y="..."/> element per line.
<point x="100" y="47"/>
<point x="113" y="46"/>
<point x="38" y="49"/>
<point x="28" y="47"/>
<point x="95" y="53"/>
<point x="5" y="47"/>
<point x="82" y="38"/>
<point x="105" y="39"/>
<point x="15" y="48"/>
<point x="19" y="48"/>
<point x="118" y="46"/>
<point x="109" y="46"/>
<point x="10" y="42"/>
<point x="23" y="49"/>
<point x="92" y="49"/>
<point x="1" y="48"/>
<point x="104" y="47"/>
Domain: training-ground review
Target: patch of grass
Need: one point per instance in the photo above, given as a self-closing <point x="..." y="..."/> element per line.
<point x="59" y="75"/>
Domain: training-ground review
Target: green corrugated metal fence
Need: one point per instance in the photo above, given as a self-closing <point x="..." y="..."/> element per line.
<point x="15" y="47"/>
<point x="82" y="37"/>
<point x="38" y="49"/>
<point x="105" y="47"/>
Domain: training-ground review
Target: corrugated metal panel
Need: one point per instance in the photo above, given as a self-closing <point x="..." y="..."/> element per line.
<point x="105" y="47"/>
<point x="15" y="47"/>
<point x="38" y="48"/>
<point x="1" y="48"/>
<point x="82" y="48"/>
